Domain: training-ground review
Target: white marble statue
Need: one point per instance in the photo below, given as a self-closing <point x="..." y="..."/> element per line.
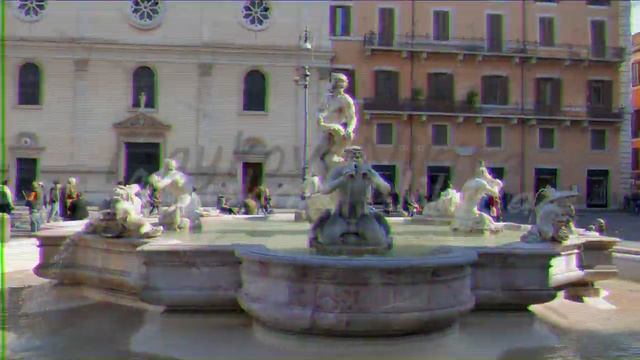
<point x="337" y="122"/>
<point x="352" y="223"/>
<point x="445" y="206"/>
<point x="554" y="217"/>
<point x="467" y="217"/>
<point x="124" y="217"/>
<point x="182" y="213"/>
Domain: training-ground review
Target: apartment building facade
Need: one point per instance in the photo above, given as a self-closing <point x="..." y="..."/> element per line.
<point x="104" y="90"/>
<point x="536" y="89"/>
<point x="635" y="117"/>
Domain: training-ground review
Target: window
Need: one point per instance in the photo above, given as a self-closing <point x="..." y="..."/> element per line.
<point x="439" y="135"/>
<point x="146" y="14"/>
<point x="340" y="20"/>
<point x="598" y="139"/>
<point x="386" y="86"/>
<point x="495" y="90"/>
<point x="599" y="96"/>
<point x="548" y="96"/>
<point x="598" y="38"/>
<point x="255" y="91"/>
<point x="386" y="26"/>
<point x="144" y="81"/>
<point x="494" y="32"/>
<point x="493" y="137"/>
<point x="256" y="14"/>
<point x="441" y="25"/>
<point x="546" y="138"/>
<point x="546" y="37"/>
<point x="440" y="87"/>
<point x="29" y="84"/>
<point x="547" y="1"/>
<point x="635" y="74"/>
<point x="30" y="10"/>
<point x="635" y="124"/>
<point x="351" y="76"/>
<point x="598" y="2"/>
<point x="384" y="134"/>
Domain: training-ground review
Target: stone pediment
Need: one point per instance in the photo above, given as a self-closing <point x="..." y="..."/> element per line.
<point x="141" y="121"/>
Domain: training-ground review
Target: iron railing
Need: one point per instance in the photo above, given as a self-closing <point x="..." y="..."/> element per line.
<point x="427" y="106"/>
<point x="479" y="45"/>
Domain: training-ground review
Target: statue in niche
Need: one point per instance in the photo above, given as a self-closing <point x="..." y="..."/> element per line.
<point x="352" y="224"/>
<point x="467" y="217"/>
<point x="124" y="217"/>
<point x="555" y="216"/>
<point x="182" y="213"/>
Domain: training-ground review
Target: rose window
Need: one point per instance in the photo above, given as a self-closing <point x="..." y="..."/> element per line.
<point x="30" y="10"/>
<point x="256" y="14"/>
<point x="146" y="14"/>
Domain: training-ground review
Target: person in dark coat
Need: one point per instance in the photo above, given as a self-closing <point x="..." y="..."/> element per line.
<point x="78" y="208"/>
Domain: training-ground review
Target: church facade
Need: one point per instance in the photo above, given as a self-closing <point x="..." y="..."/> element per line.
<point x="104" y="90"/>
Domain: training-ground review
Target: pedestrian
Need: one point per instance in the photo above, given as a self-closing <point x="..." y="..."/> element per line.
<point x="6" y="199"/>
<point x="154" y="200"/>
<point x="35" y="203"/>
<point x="78" y="208"/>
<point x="70" y="195"/>
<point x="195" y="199"/>
<point x="408" y="205"/>
<point x="54" y="202"/>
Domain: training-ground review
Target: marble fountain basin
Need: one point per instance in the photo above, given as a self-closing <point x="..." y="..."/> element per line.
<point x="262" y="266"/>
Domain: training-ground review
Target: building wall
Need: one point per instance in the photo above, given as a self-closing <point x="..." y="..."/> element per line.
<point x="412" y="151"/>
<point x="635" y="108"/>
<point x="200" y="53"/>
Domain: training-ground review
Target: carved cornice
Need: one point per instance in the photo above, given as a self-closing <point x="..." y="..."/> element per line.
<point x="141" y="122"/>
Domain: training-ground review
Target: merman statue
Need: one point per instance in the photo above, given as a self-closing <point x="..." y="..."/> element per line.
<point x="352" y="227"/>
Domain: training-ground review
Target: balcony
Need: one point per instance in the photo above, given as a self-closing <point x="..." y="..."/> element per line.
<point x="480" y="46"/>
<point x="601" y="112"/>
<point x="463" y="108"/>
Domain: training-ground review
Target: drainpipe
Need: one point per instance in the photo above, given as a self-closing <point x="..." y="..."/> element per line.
<point x="523" y="147"/>
<point x="411" y="82"/>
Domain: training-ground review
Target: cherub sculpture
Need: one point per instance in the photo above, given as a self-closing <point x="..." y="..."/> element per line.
<point x="182" y="213"/>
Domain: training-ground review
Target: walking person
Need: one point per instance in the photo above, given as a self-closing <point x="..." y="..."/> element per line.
<point x="35" y="202"/>
<point x="6" y="199"/>
<point x="54" y="201"/>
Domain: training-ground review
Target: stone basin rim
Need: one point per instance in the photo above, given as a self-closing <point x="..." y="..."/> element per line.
<point x="454" y="257"/>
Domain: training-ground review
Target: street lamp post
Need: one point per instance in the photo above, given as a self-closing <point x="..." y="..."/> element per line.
<point x="303" y="80"/>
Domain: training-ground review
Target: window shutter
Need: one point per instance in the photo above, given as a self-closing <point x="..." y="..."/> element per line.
<point x="332" y="20"/>
<point x="556" y="94"/>
<point x="484" y="89"/>
<point x="448" y="87"/>
<point x="346" y="21"/>
<point x="607" y="96"/>
<point x="549" y="32"/>
<point x="504" y="91"/>
<point x="444" y="25"/>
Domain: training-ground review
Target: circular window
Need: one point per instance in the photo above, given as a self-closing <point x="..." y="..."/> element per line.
<point x="30" y="10"/>
<point x="146" y="14"/>
<point x="256" y="14"/>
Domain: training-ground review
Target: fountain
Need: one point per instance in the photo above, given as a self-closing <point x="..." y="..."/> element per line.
<point x="348" y="274"/>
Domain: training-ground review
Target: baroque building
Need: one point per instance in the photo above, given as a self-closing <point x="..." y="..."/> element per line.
<point x="635" y="122"/>
<point x="539" y="89"/>
<point x="104" y="90"/>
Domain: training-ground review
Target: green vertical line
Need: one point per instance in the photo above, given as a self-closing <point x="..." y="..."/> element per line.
<point x="3" y="136"/>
